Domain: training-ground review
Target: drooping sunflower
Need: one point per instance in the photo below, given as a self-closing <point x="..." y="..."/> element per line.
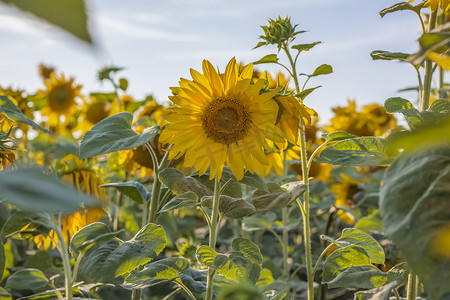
<point x="85" y="180"/>
<point x="222" y="119"/>
<point x="61" y="95"/>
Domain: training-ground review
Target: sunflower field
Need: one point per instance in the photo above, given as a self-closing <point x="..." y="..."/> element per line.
<point x="235" y="189"/>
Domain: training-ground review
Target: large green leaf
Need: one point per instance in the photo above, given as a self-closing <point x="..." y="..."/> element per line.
<point x="426" y="136"/>
<point x="144" y="246"/>
<point x="32" y="190"/>
<point x="244" y="261"/>
<point x="90" y="235"/>
<point x="337" y="136"/>
<point x="400" y="105"/>
<point x="416" y="213"/>
<point x="398" y="273"/>
<point x="14" y="113"/>
<point x="361" y="151"/>
<point x="352" y="267"/>
<point x="356" y="237"/>
<point x="157" y="272"/>
<point x="178" y="183"/>
<point x="133" y="189"/>
<point x="27" y="279"/>
<point x="278" y="196"/>
<point x="114" y="134"/>
<point x="69" y="15"/>
<point x="230" y="207"/>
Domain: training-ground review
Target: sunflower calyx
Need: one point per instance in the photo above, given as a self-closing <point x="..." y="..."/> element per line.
<point x="279" y="32"/>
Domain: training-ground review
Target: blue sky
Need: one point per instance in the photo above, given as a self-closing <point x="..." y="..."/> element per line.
<point x="158" y="41"/>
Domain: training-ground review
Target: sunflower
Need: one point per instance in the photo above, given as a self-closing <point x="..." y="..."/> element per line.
<point x="22" y="101"/>
<point x="222" y="119"/>
<point x="85" y="180"/>
<point x="61" y="95"/>
<point x="371" y="120"/>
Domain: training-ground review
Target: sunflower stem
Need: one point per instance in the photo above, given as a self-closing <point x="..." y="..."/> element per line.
<point x="62" y="248"/>
<point x="213" y="236"/>
<point x="428" y="66"/>
<point x="411" y="288"/>
<point x="284" y="220"/>
<point x="305" y="176"/>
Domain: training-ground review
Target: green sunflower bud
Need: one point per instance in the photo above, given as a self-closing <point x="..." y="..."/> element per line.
<point x="279" y="32"/>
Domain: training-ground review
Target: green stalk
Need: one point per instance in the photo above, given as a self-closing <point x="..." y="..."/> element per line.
<point x="62" y="248"/>
<point x="425" y="98"/>
<point x="180" y="283"/>
<point x="305" y="176"/>
<point x="284" y="220"/>
<point x="411" y="288"/>
<point x="213" y="236"/>
<point x="156" y="190"/>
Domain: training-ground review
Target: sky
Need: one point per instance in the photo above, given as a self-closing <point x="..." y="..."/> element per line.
<point x="157" y="42"/>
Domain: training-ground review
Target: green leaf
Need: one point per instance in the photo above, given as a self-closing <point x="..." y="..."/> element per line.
<point x="105" y="74"/>
<point x="361" y="151"/>
<point x="144" y="246"/>
<point x="351" y="267"/>
<point x="305" y="47"/>
<point x="182" y="200"/>
<point x="440" y="106"/>
<point x="14" y="113"/>
<point x="133" y="189"/>
<point x="2" y="259"/>
<point x="400" y="105"/>
<point x="178" y="183"/>
<point x="234" y="208"/>
<point x="386" y="55"/>
<point x="90" y="235"/>
<point x="399" y="7"/>
<point x="322" y="70"/>
<point x="69" y="15"/>
<point x="416" y="213"/>
<point x="303" y="94"/>
<point x="32" y="190"/>
<point x="157" y="272"/>
<point x="20" y="219"/>
<point x="254" y="180"/>
<point x="271" y="58"/>
<point x="92" y="263"/>
<point x="398" y="273"/>
<point x="379" y="293"/>
<point x="356" y="237"/>
<point x="27" y="279"/>
<point x="260" y="221"/>
<point x="278" y="196"/>
<point x="337" y="136"/>
<point x="114" y="134"/>
<point x="4" y="295"/>
<point x="425" y="136"/>
<point x="360" y="277"/>
<point x="123" y="84"/>
<point x="244" y="261"/>
<point x="371" y="222"/>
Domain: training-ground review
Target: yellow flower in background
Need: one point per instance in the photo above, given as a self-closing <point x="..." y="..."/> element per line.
<point x="21" y="100"/>
<point x="61" y="95"/>
<point x="371" y="120"/>
<point x="85" y="180"/>
<point x="443" y="4"/>
<point x="222" y="119"/>
<point x="7" y="158"/>
<point x="280" y="80"/>
<point x="344" y="191"/>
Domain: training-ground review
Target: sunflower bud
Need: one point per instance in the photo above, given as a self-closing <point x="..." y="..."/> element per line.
<point x="279" y="32"/>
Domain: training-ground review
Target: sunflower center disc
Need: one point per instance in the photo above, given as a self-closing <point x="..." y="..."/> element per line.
<point x="226" y="120"/>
